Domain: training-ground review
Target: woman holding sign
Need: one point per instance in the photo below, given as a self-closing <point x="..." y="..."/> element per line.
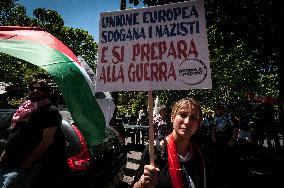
<point x="178" y="160"/>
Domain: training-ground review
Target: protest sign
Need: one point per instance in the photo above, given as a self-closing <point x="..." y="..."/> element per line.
<point x="157" y="48"/>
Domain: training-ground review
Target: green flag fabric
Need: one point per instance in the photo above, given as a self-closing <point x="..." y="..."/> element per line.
<point x="40" y="48"/>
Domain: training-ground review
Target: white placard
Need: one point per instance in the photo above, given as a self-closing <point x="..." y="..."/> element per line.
<point x="157" y="48"/>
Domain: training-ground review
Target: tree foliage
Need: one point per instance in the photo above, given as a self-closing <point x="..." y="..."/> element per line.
<point x="242" y="55"/>
<point x="6" y="10"/>
<point x="240" y="37"/>
<point x="79" y="40"/>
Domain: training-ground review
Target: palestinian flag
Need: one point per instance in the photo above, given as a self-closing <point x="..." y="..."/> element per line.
<point x="40" y="48"/>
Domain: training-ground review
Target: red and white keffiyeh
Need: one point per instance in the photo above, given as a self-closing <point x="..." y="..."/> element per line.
<point x="27" y="108"/>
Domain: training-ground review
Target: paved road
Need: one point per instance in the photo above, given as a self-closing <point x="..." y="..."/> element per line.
<point x="133" y="157"/>
<point x="255" y="178"/>
<point x="132" y="166"/>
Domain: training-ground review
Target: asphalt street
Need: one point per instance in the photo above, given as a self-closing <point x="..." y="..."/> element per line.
<point x="133" y="158"/>
<point x="265" y="174"/>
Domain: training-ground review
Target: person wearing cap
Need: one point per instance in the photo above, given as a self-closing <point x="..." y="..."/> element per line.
<point x="36" y="140"/>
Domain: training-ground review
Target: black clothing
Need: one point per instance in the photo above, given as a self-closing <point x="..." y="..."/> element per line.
<point x="27" y="135"/>
<point x="194" y="167"/>
<point x="225" y="155"/>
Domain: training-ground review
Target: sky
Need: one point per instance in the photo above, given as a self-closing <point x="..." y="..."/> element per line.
<point x="83" y="14"/>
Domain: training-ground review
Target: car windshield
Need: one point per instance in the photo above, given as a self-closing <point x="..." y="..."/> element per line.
<point x="3" y="115"/>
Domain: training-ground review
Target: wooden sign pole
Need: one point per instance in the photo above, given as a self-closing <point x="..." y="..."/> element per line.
<point x="151" y="127"/>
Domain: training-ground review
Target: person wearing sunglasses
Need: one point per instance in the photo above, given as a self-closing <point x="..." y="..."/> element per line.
<point x="36" y="140"/>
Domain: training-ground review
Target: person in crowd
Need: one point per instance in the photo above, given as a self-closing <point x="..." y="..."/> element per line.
<point x="162" y="123"/>
<point x="205" y="143"/>
<point x="246" y="131"/>
<point x="206" y="127"/>
<point x="36" y="140"/>
<point x="142" y="116"/>
<point x="224" y="137"/>
<point x="259" y="128"/>
<point x="246" y="137"/>
<point x="178" y="160"/>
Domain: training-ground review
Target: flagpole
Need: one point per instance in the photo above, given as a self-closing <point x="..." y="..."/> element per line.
<point x="151" y="127"/>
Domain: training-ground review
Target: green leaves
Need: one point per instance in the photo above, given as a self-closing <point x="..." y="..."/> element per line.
<point x="80" y="41"/>
<point x="243" y="58"/>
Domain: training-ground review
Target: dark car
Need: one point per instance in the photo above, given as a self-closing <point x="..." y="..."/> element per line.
<point x="101" y="165"/>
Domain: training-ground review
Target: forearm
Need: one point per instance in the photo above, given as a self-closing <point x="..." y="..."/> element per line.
<point x="149" y="178"/>
<point x="35" y="155"/>
<point x="139" y="183"/>
<point x="47" y="139"/>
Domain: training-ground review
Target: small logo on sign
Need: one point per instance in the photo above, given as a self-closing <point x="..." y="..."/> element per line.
<point x="192" y="71"/>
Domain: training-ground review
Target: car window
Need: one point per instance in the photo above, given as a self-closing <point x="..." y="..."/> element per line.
<point x="4" y="116"/>
<point x="5" y="121"/>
